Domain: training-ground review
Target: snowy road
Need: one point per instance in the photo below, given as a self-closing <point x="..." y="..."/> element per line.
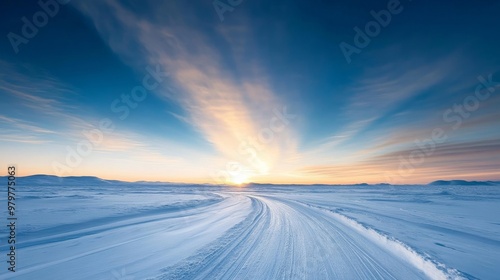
<point x="282" y="239"/>
<point x="219" y="233"/>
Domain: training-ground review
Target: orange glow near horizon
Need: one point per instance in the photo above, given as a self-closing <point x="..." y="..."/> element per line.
<point x="311" y="175"/>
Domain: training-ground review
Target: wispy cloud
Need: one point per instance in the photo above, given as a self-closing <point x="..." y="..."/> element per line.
<point x="37" y="95"/>
<point x="465" y="160"/>
<point x="24" y="125"/>
<point x="26" y="139"/>
<point x="226" y="109"/>
<point x="44" y="116"/>
<point x="380" y="92"/>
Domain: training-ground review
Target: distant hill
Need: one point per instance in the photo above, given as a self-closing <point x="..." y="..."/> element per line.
<point x="50" y="180"/>
<point x="464" y="183"/>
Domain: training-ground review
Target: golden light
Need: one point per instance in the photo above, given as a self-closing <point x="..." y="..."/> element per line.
<point x="239" y="178"/>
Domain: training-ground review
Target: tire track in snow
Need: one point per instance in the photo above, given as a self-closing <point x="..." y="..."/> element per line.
<point x="131" y="240"/>
<point x="208" y="259"/>
<point x="431" y="268"/>
<point x="283" y="239"/>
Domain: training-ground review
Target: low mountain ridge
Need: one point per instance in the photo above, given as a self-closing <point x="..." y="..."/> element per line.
<point x="463" y="183"/>
<point x="51" y="180"/>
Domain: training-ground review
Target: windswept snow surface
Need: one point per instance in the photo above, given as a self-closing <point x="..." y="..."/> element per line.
<point x="259" y="232"/>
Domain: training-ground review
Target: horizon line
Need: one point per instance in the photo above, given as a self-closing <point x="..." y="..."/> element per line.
<point x="256" y="183"/>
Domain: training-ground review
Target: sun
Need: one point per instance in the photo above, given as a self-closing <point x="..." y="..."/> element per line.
<point x="239" y="179"/>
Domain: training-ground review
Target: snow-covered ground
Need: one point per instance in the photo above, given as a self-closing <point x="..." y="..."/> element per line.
<point x="260" y="232"/>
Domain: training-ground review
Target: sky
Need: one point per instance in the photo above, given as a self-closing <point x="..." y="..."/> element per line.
<point x="231" y="91"/>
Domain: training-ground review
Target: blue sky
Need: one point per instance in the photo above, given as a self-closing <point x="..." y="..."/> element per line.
<point x="266" y="94"/>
